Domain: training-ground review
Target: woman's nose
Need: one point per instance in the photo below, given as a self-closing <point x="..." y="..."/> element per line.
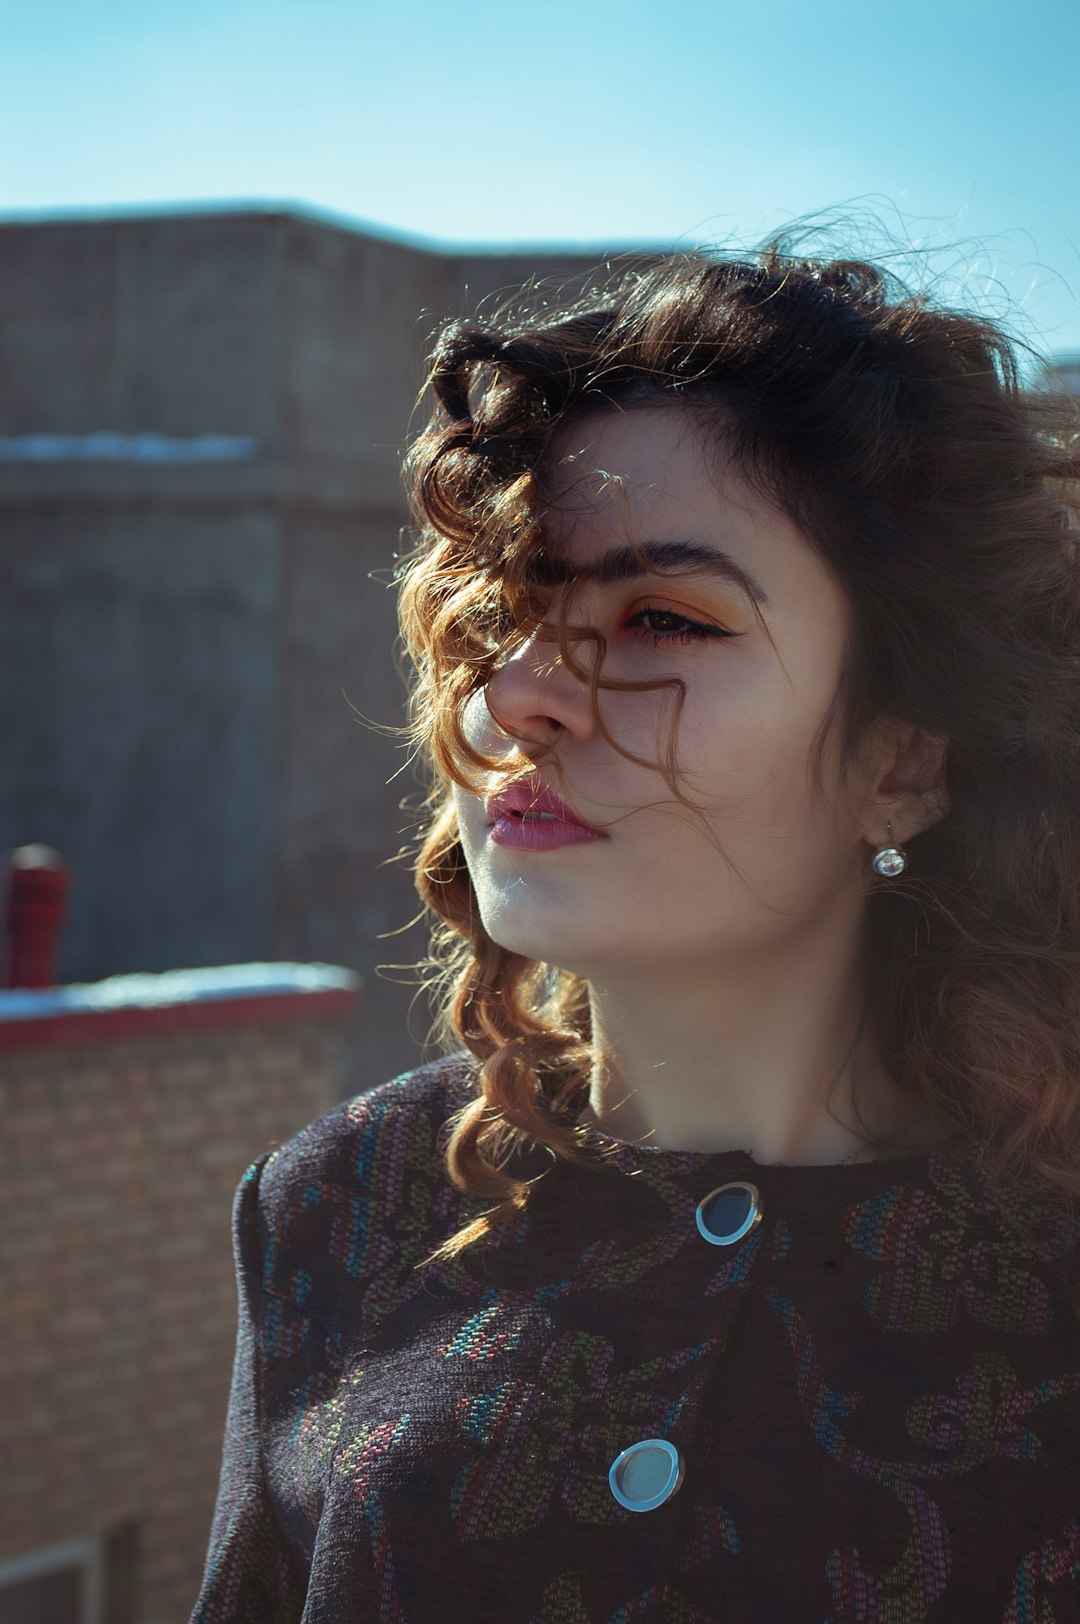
<point x="533" y="696"/>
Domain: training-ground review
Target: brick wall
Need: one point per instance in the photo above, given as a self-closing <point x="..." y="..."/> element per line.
<point x="119" y="1163"/>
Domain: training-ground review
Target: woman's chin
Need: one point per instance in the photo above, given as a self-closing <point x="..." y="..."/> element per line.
<point x="559" y="948"/>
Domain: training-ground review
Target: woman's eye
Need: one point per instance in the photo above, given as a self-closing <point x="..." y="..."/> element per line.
<point x="650" y="624"/>
<point x="667" y="626"/>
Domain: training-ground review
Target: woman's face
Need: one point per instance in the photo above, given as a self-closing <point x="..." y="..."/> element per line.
<point x="762" y="860"/>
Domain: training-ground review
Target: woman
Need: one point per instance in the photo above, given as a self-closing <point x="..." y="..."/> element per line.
<point x="725" y="1267"/>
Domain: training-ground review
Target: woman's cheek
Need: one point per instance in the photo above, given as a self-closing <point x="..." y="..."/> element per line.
<point x="478" y="724"/>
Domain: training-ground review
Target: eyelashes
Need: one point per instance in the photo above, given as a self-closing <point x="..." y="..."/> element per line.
<point x="693" y="631"/>
<point x="679" y="628"/>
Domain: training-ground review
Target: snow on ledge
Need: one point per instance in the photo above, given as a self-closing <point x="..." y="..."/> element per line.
<point x="107" y="446"/>
<point x="171" y="988"/>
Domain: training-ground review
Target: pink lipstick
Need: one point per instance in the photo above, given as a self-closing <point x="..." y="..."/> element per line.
<point x="530" y="817"/>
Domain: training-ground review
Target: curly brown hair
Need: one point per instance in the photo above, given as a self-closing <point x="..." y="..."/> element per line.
<point x="896" y="435"/>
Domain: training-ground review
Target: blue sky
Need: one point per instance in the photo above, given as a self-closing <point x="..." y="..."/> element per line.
<point x="952" y="125"/>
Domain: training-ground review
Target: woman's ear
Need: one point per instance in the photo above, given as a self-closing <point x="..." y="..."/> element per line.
<point x="907" y="784"/>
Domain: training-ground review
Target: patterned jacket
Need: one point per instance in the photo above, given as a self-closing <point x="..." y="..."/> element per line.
<point x="873" y="1395"/>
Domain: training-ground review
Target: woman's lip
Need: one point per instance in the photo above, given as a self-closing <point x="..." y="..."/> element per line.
<point x="529" y="798"/>
<point x="539" y="834"/>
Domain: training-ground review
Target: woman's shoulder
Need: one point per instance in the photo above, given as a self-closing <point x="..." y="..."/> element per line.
<point x="403" y="1118"/>
<point x="363" y="1182"/>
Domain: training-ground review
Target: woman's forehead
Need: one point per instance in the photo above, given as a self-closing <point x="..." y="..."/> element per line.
<point x="647" y="454"/>
<point x="640" y="478"/>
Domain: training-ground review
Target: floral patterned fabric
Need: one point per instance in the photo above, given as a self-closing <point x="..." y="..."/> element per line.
<point x="876" y="1392"/>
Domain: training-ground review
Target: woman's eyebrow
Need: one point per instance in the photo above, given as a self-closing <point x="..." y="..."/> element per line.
<point x="664" y="557"/>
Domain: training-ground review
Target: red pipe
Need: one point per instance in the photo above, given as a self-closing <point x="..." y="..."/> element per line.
<point x="36" y="904"/>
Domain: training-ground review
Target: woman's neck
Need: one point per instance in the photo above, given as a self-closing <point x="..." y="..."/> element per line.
<point x="699" y="1058"/>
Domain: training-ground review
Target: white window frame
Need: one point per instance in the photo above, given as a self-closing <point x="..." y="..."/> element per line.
<point x="87" y="1555"/>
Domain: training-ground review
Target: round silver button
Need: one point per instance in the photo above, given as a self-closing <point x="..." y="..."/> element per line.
<point x="646" y="1474"/>
<point x="729" y="1212"/>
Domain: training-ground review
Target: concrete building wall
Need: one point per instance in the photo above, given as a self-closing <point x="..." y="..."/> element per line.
<point x="355" y="316"/>
<point x="191" y="643"/>
<point x="161" y="322"/>
<point x="139" y="725"/>
<point x="337" y="816"/>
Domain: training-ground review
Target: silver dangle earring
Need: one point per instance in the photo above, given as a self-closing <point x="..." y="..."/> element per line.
<point x="890" y="860"/>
